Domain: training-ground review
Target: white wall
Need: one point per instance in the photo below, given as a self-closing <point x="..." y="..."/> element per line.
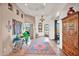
<point x="36" y="22"/>
<point x="60" y="33"/>
<point x="51" y="29"/>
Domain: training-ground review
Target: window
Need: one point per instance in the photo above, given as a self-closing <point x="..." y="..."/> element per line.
<point x="40" y="27"/>
<point x="17" y="12"/>
<point x="10" y="7"/>
<point x="16" y="27"/>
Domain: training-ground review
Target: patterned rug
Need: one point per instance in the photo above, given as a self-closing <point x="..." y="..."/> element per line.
<point x="39" y="47"/>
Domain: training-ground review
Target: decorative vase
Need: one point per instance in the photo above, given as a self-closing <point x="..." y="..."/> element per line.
<point x="71" y="11"/>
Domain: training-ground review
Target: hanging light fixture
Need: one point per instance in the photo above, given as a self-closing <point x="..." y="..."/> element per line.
<point x="42" y="19"/>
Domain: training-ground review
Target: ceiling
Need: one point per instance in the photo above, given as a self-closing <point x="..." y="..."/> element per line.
<point x="38" y="9"/>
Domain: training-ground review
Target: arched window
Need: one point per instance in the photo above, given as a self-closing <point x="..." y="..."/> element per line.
<point x="40" y="27"/>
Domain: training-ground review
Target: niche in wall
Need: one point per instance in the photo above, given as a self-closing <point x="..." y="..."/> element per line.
<point x="17" y="12"/>
<point x="21" y="15"/>
<point x="8" y="26"/>
<point x="10" y="7"/>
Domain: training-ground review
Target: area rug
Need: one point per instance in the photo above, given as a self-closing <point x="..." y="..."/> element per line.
<point x="40" y="48"/>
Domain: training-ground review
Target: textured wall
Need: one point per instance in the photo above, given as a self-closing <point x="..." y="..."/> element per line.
<point x="6" y="16"/>
<point x="0" y="29"/>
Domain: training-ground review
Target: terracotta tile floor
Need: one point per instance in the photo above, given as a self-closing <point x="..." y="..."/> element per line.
<point x="40" y="47"/>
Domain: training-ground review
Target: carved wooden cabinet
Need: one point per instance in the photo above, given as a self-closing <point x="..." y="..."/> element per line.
<point x="70" y="31"/>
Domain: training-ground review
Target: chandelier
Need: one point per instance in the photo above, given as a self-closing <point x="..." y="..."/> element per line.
<point x="42" y="19"/>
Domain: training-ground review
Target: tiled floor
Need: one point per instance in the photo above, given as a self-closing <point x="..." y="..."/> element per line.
<point x="40" y="46"/>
